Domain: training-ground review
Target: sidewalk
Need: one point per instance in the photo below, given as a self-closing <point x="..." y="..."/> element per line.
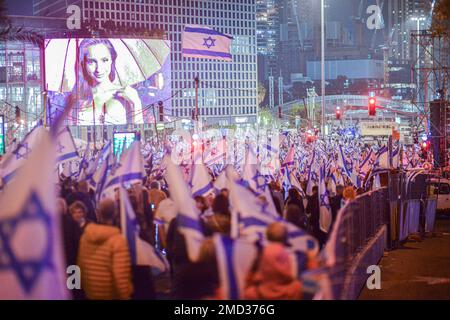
<point x="419" y="270"/>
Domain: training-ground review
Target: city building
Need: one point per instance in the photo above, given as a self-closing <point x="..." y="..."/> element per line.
<point x="352" y="69"/>
<point x="268" y="34"/>
<point x="227" y="90"/>
<point x="402" y="19"/>
<point x="21" y="73"/>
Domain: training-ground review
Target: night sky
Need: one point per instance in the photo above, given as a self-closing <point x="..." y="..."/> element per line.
<point x="19" y="7"/>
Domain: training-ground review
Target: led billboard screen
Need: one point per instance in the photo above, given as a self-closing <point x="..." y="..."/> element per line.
<point x="110" y="81"/>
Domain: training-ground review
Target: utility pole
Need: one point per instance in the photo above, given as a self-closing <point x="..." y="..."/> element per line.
<point x="154" y="124"/>
<point x="196" y="79"/>
<point x="93" y="116"/>
<point x="322" y="62"/>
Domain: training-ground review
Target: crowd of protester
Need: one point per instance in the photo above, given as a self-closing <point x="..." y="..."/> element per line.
<point x="93" y="241"/>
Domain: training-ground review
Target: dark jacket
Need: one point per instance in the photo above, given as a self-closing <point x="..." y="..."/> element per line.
<point x="176" y="255"/>
<point x="335" y="206"/>
<point x="86" y="199"/>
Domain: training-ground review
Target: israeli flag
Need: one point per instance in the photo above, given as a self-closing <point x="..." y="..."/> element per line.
<point x="221" y="181"/>
<point x="289" y="160"/>
<point x="345" y="163"/>
<point x="84" y="164"/>
<point x="32" y="262"/>
<point x="215" y="154"/>
<point x="127" y="171"/>
<point x="188" y="215"/>
<point x="66" y="149"/>
<point x="204" y="42"/>
<point x="17" y="157"/>
<point x="142" y="253"/>
<point x="365" y="165"/>
<point x="252" y="216"/>
<point x="324" y="201"/>
<point x="201" y="181"/>
<point x="235" y="258"/>
<point x="382" y="160"/>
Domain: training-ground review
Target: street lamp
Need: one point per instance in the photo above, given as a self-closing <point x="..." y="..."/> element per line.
<point x="322" y="62"/>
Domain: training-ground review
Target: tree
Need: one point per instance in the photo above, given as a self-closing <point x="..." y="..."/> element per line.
<point x="12" y="33"/>
<point x="261" y="93"/>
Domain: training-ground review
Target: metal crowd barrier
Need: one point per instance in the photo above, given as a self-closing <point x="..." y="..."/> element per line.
<point x="372" y="222"/>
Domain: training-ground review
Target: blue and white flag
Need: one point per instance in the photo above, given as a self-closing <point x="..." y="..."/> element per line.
<point x="313" y="174"/>
<point x="142" y="253"/>
<point x="382" y="159"/>
<point x="204" y="42"/>
<point x="324" y="203"/>
<point x="66" y="149"/>
<point x="289" y="160"/>
<point x="17" y="157"/>
<point x="345" y="164"/>
<point x="127" y="171"/>
<point x="235" y="258"/>
<point x="188" y="216"/>
<point x="221" y="181"/>
<point x="253" y="217"/>
<point x="365" y="165"/>
<point x="85" y="163"/>
<point x="31" y="246"/>
<point x="215" y="154"/>
<point x="201" y="181"/>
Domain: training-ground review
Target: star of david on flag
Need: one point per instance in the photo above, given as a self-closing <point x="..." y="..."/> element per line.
<point x="31" y="248"/>
<point x="204" y="42"/>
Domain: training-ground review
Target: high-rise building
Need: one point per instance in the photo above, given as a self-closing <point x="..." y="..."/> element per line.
<point x="227" y="90"/>
<point x="402" y="19"/>
<point x="51" y="8"/>
<point x="267" y="30"/>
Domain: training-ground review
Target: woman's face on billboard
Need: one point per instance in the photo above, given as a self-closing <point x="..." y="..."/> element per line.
<point x="98" y="63"/>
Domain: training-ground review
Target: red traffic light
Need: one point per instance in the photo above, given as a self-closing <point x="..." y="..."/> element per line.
<point x="338" y="113"/>
<point x="426" y="145"/>
<point x="372" y="106"/>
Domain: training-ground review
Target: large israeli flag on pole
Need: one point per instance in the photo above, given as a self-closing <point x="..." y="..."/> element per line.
<point x="204" y="42"/>
<point x="31" y="247"/>
<point x="142" y="253"/>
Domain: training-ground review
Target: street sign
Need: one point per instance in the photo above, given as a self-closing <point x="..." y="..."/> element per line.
<point x="160" y="126"/>
<point x="378" y="128"/>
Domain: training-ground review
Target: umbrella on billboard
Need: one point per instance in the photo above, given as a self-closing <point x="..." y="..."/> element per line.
<point x="137" y="60"/>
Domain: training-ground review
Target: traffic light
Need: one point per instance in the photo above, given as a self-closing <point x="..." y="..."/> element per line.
<point x="17" y="114"/>
<point x="425" y="146"/>
<point x="161" y="111"/>
<point x="338" y="113"/>
<point x="372" y="106"/>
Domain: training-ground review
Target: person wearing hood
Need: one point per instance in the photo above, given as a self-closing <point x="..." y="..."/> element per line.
<point x="272" y="276"/>
<point x="104" y="258"/>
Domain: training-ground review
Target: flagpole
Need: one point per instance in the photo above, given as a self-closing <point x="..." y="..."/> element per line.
<point x="322" y="62"/>
<point x="93" y="115"/>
